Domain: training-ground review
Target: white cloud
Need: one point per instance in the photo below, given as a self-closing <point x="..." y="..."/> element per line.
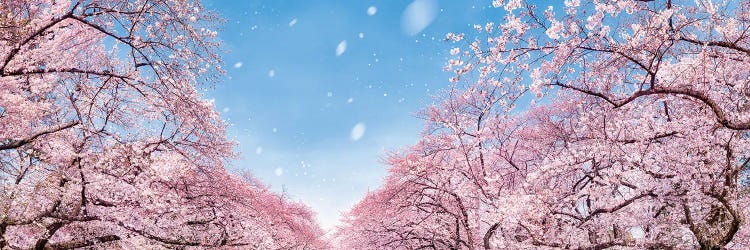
<point x="418" y="15"/>
<point x="341" y="48"/>
<point x="357" y="132"/>
<point x="372" y="10"/>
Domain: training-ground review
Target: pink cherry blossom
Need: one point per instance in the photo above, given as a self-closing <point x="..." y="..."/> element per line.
<point x="637" y="138"/>
<point x="106" y="142"/>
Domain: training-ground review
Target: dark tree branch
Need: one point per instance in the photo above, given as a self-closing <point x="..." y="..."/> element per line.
<point x="18" y="143"/>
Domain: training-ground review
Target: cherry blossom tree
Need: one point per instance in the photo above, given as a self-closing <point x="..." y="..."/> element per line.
<point x="636" y="135"/>
<point x="106" y="140"/>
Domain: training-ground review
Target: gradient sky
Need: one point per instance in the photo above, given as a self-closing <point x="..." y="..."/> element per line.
<point x="293" y="103"/>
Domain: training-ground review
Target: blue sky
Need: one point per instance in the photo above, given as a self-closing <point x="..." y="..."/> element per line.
<point x="292" y="102"/>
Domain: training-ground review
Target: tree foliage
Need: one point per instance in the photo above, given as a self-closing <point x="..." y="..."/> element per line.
<point x="106" y="141"/>
<point x="636" y="136"/>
